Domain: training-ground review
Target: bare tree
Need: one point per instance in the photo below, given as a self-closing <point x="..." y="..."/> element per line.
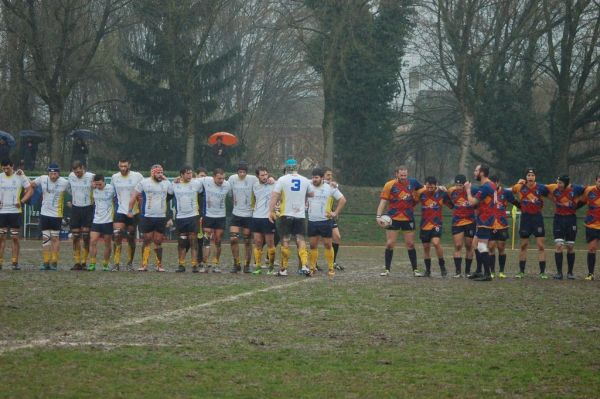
<point x="62" y="38"/>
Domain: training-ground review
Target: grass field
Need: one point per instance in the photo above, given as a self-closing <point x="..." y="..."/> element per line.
<point x="83" y="334"/>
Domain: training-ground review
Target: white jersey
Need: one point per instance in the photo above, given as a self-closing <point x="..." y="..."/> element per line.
<point x="215" y="197"/>
<point x="104" y="199"/>
<point x="11" y="188"/>
<point x="124" y="186"/>
<point x="242" y="194"/>
<point x="154" y="197"/>
<point x="53" y="195"/>
<point x="81" y="189"/>
<point x="293" y="189"/>
<point x="186" y="198"/>
<point x="322" y="202"/>
<point x="261" y="197"/>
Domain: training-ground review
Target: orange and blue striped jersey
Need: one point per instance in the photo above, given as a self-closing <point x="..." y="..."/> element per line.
<point x="463" y="212"/>
<point x="591" y="197"/>
<point x="565" y="201"/>
<point x="486" y="208"/>
<point x="399" y="196"/>
<point x="504" y="196"/>
<point x="431" y="207"/>
<point x="530" y="197"/>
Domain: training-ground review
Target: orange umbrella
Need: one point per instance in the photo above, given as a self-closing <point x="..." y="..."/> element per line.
<point x="228" y="138"/>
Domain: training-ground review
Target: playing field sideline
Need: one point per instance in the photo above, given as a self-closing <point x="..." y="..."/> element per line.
<point x="83" y="334"/>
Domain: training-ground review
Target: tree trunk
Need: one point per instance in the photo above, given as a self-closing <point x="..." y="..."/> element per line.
<point x="56" y="135"/>
<point x="328" y="135"/>
<point x="190" y="140"/>
<point x="466" y="138"/>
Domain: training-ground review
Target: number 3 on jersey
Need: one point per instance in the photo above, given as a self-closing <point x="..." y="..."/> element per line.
<point x="295" y="185"/>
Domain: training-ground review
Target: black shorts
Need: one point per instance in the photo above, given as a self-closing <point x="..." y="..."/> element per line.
<point x="127" y="221"/>
<point x="289" y="225"/>
<point x="149" y="225"/>
<point x="103" y="228"/>
<point x="81" y="216"/>
<point x="404" y="225"/>
<point x="591" y="234"/>
<point x="187" y="225"/>
<point x="50" y="223"/>
<point x="214" y="223"/>
<point x="10" y="220"/>
<point x="565" y="228"/>
<point x="499" y="235"/>
<point x="427" y="235"/>
<point x="467" y="229"/>
<point x="334" y="225"/>
<point x="263" y="226"/>
<point x="532" y="225"/>
<point x="320" y="229"/>
<point x="241" y="222"/>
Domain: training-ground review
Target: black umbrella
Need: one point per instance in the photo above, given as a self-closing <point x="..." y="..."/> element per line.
<point x="84" y="134"/>
<point x="10" y="140"/>
<point x="32" y="134"/>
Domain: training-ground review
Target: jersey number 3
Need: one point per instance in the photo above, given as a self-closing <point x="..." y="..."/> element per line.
<point x="295" y="185"/>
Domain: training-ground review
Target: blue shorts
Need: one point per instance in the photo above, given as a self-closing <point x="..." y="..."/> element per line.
<point x="320" y="229"/>
<point x="532" y="225"/>
<point x="102" y="228"/>
<point x="427" y="235"/>
<point x="187" y="225"/>
<point x="404" y="225"/>
<point x="565" y="228"/>
<point x="263" y="226"/>
<point x="468" y="230"/>
<point x="499" y="235"/>
<point x="591" y="234"/>
<point x="483" y="233"/>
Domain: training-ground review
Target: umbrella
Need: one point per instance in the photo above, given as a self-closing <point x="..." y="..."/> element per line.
<point x="10" y="140"/>
<point x="32" y="134"/>
<point x="84" y="134"/>
<point x="228" y="138"/>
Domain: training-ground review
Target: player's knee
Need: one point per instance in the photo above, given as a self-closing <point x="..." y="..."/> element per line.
<point x="247" y="239"/>
<point x="183" y="241"/>
<point x="482" y="247"/>
<point x="234" y="238"/>
<point x="3" y="232"/>
<point x="117" y="235"/>
<point x="46" y="235"/>
<point x="85" y="235"/>
<point x="14" y="234"/>
<point x="75" y="234"/>
<point x="458" y="247"/>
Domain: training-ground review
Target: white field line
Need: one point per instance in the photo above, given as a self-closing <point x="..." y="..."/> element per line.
<point x="87" y="336"/>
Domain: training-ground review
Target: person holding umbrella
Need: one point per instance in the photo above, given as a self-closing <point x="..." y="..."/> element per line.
<point x="7" y="141"/>
<point x="219" y="142"/>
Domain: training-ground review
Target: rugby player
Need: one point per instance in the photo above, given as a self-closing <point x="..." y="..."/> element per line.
<point x="463" y="225"/>
<point x="291" y="190"/>
<point x="262" y="228"/>
<point x="565" y="197"/>
<point x="186" y="191"/>
<point x="591" y="197"/>
<point x="155" y="191"/>
<point x="336" y="236"/>
<point x="124" y="183"/>
<point x="484" y="197"/>
<point x="321" y="219"/>
<point x="432" y="199"/>
<point x="102" y="224"/>
<point x="216" y="190"/>
<point x="529" y="194"/>
<point x="82" y="212"/>
<point x="397" y="197"/>
<point x="241" y="216"/>
<point x="11" y="212"/>
<point x="53" y="194"/>
<point x="499" y="234"/>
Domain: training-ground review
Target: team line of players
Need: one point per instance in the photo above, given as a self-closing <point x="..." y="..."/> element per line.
<point x="112" y="212"/>
<point x="479" y="221"/>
